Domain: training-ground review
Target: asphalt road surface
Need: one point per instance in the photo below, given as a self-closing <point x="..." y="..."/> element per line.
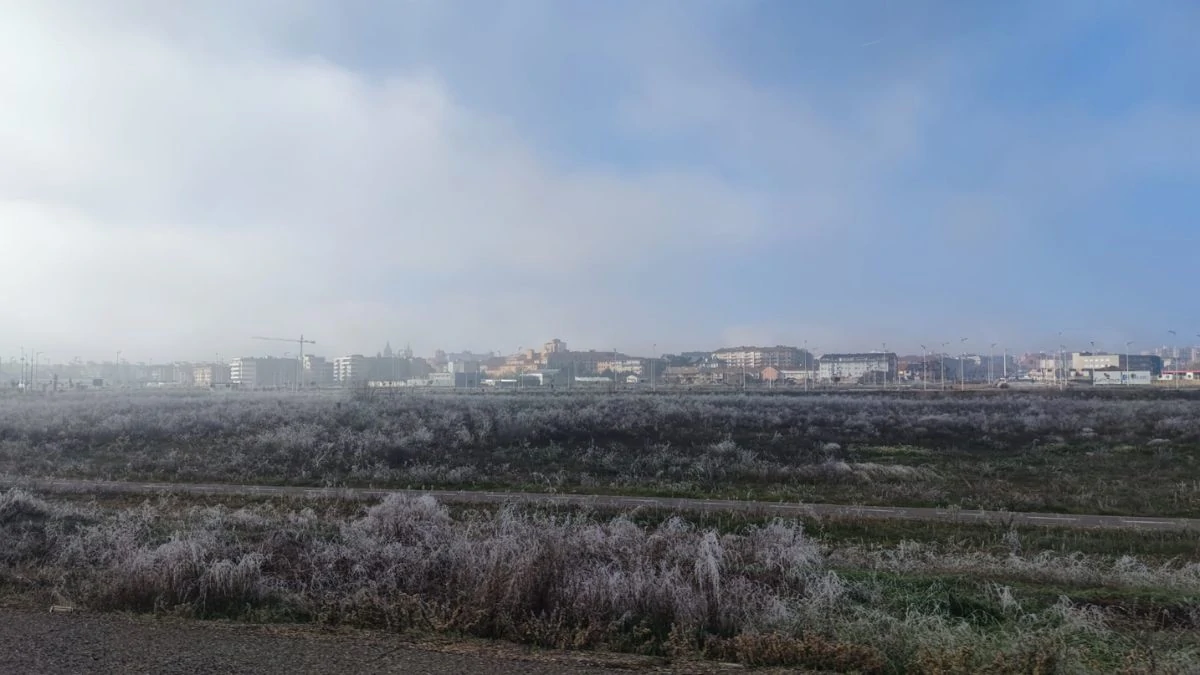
<point x="609" y="501"/>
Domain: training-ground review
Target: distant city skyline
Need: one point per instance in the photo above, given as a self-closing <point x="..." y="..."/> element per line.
<point x="178" y="177"/>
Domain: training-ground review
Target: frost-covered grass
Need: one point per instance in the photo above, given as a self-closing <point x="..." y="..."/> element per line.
<point x="767" y="592"/>
<point x="1017" y="451"/>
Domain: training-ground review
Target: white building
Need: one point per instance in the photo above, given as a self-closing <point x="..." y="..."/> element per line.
<point x="628" y="366"/>
<point x="757" y="358"/>
<point x="210" y="375"/>
<point x="853" y="367"/>
<point x="1130" y="377"/>
<point x="1085" y="361"/>
<point x="250" y="372"/>
<point x="350" y="369"/>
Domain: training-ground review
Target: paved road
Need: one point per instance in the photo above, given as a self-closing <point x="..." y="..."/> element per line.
<point x="608" y="501"/>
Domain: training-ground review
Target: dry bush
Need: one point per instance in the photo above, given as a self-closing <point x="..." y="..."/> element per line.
<point x="23" y="522"/>
<point x="763" y="596"/>
<point x="808" y="651"/>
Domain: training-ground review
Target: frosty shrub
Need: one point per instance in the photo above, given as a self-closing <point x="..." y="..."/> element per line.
<point x="828" y="447"/>
<point x="23" y="527"/>
<point x="765" y="595"/>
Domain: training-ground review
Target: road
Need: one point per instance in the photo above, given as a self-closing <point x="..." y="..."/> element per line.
<point x="619" y="502"/>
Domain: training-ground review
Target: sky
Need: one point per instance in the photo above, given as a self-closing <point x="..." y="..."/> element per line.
<point x="667" y="175"/>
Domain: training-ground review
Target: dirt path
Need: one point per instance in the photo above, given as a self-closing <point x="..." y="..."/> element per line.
<point x="42" y="643"/>
<point x="674" y="504"/>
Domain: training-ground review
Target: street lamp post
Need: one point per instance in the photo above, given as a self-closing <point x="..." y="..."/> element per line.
<point x="962" y="357"/>
<point x="1127" y="344"/>
<point x="1062" y="350"/>
<point x="1093" y="370"/>
<point x="886" y="367"/>
<point x="1175" y="375"/>
<point x="33" y="373"/>
<point x="991" y="362"/>
<point x="807" y="365"/>
<point x="810" y="364"/>
<point x="942" y="360"/>
<point x="924" y="370"/>
<point x="653" y="351"/>
<point x="1059" y="366"/>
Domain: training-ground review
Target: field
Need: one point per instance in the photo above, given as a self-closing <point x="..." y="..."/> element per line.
<point x="828" y="595"/>
<point x="832" y="594"/>
<point x="1020" y="452"/>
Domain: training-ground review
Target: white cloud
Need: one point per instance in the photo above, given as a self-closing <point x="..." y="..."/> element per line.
<point x="175" y="177"/>
<point x="175" y="193"/>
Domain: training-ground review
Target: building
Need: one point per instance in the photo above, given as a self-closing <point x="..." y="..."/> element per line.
<point x="318" y="372"/>
<point x="250" y="372"/>
<point x="554" y="346"/>
<point x="350" y="369"/>
<point x="592" y="381"/>
<point x="623" y="366"/>
<point x="209" y="375"/>
<point x="580" y="362"/>
<point x="543" y="378"/>
<point x="473" y="367"/>
<point x="687" y="375"/>
<point x="1082" y="362"/>
<point x="433" y="379"/>
<point x="1139" y="362"/>
<point x="243" y="371"/>
<point x="878" y="366"/>
<point x="1085" y="363"/>
<point x="1119" y="377"/>
<point x="757" y="358"/>
<point x="1183" y="375"/>
<point x="166" y="374"/>
<point x="784" y="376"/>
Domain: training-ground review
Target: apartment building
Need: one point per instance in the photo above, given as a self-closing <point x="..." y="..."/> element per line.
<point x="210" y="375"/>
<point x="317" y="371"/>
<point x="758" y="358"/>
<point x="350" y="369"/>
<point x="250" y="372"/>
<point x="624" y="366"/>
<point x="579" y="362"/>
<point x="854" y="367"/>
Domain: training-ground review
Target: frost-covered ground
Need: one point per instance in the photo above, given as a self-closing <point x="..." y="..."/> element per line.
<point x="1020" y="451"/>
<point x="758" y="592"/>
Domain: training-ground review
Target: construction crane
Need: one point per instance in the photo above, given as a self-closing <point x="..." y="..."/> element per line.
<point x="300" y="362"/>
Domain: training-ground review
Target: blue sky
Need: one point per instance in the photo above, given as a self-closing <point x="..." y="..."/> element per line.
<point x="679" y="174"/>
